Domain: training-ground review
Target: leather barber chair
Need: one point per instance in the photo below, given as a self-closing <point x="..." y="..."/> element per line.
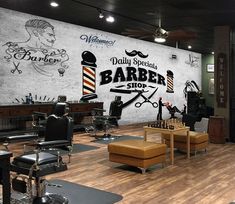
<point x="106" y="122"/>
<point x="59" y="130"/>
<point x="29" y="170"/>
<point x="35" y="165"/>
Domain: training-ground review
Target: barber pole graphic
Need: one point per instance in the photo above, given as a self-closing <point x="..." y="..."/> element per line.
<point x="170" y="85"/>
<point x="89" y="72"/>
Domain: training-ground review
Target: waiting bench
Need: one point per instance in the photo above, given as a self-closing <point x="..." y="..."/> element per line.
<point x="138" y="153"/>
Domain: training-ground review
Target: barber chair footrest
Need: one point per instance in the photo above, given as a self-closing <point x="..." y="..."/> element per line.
<point x="19" y="185"/>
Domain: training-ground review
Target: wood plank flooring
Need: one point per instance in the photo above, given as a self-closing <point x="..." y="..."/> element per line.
<point x="204" y="179"/>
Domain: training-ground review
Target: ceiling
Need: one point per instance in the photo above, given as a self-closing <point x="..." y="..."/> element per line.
<point x="190" y="15"/>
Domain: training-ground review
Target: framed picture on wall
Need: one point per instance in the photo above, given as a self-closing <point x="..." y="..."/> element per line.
<point x="210" y="68"/>
<point x="211" y="86"/>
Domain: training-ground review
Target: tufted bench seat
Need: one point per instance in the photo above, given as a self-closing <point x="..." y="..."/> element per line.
<point x="198" y="141"/>
<point x="138" y="153"/>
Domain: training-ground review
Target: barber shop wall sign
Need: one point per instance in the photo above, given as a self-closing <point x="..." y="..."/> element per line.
<point x="37" y="50"/>
<point x="135" y="74"/>
<point x="97" y="40"/>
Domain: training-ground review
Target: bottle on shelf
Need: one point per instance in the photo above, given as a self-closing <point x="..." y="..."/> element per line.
<point x="30" y="99"/>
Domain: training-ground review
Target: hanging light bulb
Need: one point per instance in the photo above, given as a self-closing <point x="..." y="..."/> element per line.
<point x="159" y="39"/>
<point x="110" y="19"/>
<point x="54" y="4"/>
<point x="101" y="15"/>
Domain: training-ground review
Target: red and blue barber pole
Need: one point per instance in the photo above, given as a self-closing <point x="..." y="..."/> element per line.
<point x="89" y="73"/>
<point x="170" y="84"/>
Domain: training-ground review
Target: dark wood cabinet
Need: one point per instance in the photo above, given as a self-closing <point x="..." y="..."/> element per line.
<point x="20" y="113"/>
<point x="216" y="129"/>
<point x="5" y="176"/>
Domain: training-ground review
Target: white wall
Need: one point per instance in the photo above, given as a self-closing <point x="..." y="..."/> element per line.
<point x="42" y="79"/>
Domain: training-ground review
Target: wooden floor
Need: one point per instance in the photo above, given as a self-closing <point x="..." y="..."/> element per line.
<point x="204" y="179"/>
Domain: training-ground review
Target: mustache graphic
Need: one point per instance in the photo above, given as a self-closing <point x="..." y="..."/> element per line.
<point x="135" y="52"/>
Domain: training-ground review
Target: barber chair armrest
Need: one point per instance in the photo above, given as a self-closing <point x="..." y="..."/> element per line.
<point x="53" y="143"/>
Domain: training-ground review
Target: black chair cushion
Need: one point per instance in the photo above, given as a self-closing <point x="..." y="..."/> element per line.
<point x="48" y="164"/>
<point x="20" y="138"/>
<point x="44" y="158"/>
<point x="54" y="143"/>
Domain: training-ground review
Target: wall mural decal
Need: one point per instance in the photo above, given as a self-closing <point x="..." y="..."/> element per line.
<point x="37" y="49"/>
<point x="89" y="72"/>
<point x="116" y="72"/>
<point x="135" y="80"/>
<point x="133" y="53"/>
<point x="190" y="86"/>
<point x="160" y="104"/>
<point x="16" y="68"/>
<point x="173" y="109"/>
<point x="30" y="99"/>
<point x="169" y="106"/>
<point x="147" y="100"/>
<point x="170" y="85"/>
<point x="193" y="60"/>
<point x="95" y="40"/>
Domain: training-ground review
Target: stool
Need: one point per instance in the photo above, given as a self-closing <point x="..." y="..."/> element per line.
<point x="138" y="153"/>
<point x="198" y="141"/>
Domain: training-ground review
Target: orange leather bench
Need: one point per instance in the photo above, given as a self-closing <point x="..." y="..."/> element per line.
<point x="138" y="153"/>
<point x="198" y="141"/>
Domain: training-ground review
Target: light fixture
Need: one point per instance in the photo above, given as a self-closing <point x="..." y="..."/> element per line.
<point x="101" y="15"/>
<point x="212" y="53"/>
<point x="54" y="4"/>
<point x="189" y="47"/>
<point x="110" y="19"/>
<point x="160" y="39"/>
<point x="160" y="35"/>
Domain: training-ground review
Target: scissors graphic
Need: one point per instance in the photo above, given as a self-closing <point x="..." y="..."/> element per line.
<point x="147" y="100"/>
<point x="16" y="68"/>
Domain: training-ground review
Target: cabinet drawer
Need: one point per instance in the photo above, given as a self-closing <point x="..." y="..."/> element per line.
<point x="47" y="109"/>
<point x="22" y="111"/>
<point x="4" y="112"/>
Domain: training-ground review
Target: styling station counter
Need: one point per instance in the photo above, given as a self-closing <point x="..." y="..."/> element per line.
<point x="15" y="116"/>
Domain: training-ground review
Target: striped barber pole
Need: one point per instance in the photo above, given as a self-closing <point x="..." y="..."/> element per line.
<point x="170" y="84"/>
<point x="88" y="80"/>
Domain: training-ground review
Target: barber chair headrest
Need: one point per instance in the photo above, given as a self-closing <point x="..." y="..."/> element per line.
<point x="87" y="97"/>
<point x="60" y="109"/>
<point x="62" y="98"/>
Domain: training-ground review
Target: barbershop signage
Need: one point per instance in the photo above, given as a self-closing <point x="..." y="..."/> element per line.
<point x="97" y="40"/>
<point x="133" y="73"/>
<point x="221" y="88"/>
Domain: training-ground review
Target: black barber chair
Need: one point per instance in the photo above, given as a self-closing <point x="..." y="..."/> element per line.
<point x="59" y="130"/>
<point x="29" y="171"/>
<point x="105" y="122"/>
<point x="35" y="165"/>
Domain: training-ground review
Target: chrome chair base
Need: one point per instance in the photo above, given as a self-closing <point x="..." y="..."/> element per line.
<point x="106" y="137"/>
<point x="49" y="198"/>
